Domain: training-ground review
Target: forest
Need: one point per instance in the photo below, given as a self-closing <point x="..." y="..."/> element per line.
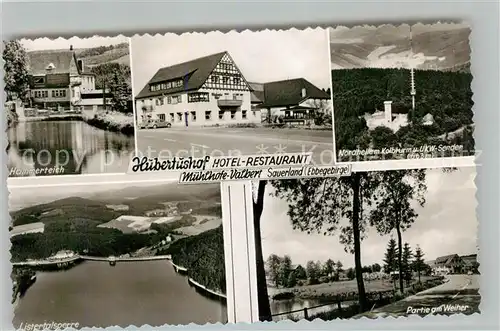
<point x="447" y="96"/>
<point x="203" y="256"/>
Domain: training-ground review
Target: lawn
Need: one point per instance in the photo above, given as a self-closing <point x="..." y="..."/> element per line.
<point x="326" y="290"/>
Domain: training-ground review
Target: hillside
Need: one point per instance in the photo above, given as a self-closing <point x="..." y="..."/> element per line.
<point x="142" y="199"/>
<point x="446" y="95"/>
<point x="105" y="54"/>
<point x="73" y="208"/>
<point x="437" y="46"/>
<point x="203" y="256"/>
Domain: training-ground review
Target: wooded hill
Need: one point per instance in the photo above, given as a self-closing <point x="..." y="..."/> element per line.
<point x="447" y="96"/>
<point x="203" y="256"/>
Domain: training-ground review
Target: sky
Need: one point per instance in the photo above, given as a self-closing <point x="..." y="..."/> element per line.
<point x="447" y="224"/>
<point x="30" y="196"/>
<point x="261" y="56"/>
<point x="62" y="43"/>
<point x="388" y="46"/>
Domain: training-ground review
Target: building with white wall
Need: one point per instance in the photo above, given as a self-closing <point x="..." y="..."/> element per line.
<point x="57" y="79"/>
<point x="205" y="91"/>
<point x="292" y="100"/>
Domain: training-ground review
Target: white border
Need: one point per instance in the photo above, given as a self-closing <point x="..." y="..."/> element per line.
<point x="236" y="197"/>
<point x="134" y="113"/>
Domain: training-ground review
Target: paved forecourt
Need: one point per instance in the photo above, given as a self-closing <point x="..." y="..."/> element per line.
<point x="198" y="142"/>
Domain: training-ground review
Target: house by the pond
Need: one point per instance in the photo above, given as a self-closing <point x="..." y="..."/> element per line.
<point x="60" y="81"/>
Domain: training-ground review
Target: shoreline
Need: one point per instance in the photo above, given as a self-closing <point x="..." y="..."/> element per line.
<point x="106" y="122"/>
<point x="196" y="284"/>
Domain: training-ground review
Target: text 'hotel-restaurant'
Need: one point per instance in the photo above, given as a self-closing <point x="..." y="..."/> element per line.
<point x="211" y="90"/>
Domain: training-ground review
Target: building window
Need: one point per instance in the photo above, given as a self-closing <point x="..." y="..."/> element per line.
<point x="215" y="79"/>
<point x="225" y="80"/>
<point x="159" y="102"/>
<point x="179" y="117"/>
<point x="198" y="97"/>
<point x="176" y="99"/>
<point x="161" y="117"/>
<point x="169" y="99"/>
<point x="58" y="93"/>
<point x="233" y="114"/>
<point x="193" y="116"/>
<point x="238" y="96"/>
<point x="177" y="83"/>
<point x="244" y="114"/>
<point x="172" y="117"/>
<point x="168" y="84"/>
<point x="236" y="81"/>
<point x="208" y="115"/>
<point x="163" y="86"/>
<point x="221" y="114"/>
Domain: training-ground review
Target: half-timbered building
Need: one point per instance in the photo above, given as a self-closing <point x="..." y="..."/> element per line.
<point x="205" y="91"/>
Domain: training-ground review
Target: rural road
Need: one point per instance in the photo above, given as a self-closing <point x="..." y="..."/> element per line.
<point x="198" y="142"/>
<point x="460" y="294"/>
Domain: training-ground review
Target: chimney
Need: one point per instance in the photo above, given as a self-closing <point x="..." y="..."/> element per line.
<point x="303" y="92"/>
<point x="70" y="47"/>
<point x="388" y="111"/>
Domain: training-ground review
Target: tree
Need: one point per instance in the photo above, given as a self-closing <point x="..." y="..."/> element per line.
<point x="16" y="76"/>
<point x="120" y="92"/>
<point x="329" y="268"/>
<point x="338" y="269"/>
<point x="300" y="272"/>
<point x="376" y="267"/>
<point x="292" y="280"/>
<point x="313" y="271"/>
<point x="418" y="262"/>
<point x="351" y="274"/>
<point x="262" y="293"/>
<point x="390" y="260"/>
<point x="397" y="190"/>
<point x="407" y="263"/>
<point x="285" y="269"/>
<point x="273" y="265"/>
<point x="320" y="204"/>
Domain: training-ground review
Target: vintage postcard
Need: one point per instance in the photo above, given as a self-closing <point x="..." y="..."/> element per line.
<point x="402" y="92"/>
<point x="375" y="244"/>
<point x="118" y="254"/>
<point x="235" y="93"/>
<point x="69" y="106"/>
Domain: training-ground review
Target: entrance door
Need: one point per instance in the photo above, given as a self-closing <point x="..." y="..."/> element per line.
<point x="186" y="118"/>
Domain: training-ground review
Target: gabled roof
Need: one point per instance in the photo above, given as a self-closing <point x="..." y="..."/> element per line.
<point x="194" y="73"/>
<point x="257" y="92"/>
<point x="39" y="60"/>
<point x="444" y="260"/>
<point x="289" y="92"/>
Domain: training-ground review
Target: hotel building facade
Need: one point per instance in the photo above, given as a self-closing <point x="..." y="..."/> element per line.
<point x="211" y="91"/>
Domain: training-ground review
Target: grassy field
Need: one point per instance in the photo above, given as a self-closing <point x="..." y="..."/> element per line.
<point x="326" y="290"/>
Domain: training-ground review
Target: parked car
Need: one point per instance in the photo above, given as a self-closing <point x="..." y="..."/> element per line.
<point x="156" y="123"/>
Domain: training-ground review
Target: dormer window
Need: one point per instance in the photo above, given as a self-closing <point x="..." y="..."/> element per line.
<point x="50" y="66"/>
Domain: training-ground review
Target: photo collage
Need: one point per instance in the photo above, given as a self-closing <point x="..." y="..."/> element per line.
<point x="242" y="177"/>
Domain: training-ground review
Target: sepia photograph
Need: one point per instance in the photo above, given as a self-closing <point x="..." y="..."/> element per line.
<point x="125" y="254"/>
<point x="69" y="106"/>
<point x="402" y="92"/>
<point x="235" y="93"/>
<point x="374" y="244"/>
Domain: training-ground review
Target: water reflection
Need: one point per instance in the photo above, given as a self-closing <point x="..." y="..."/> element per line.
<point x="68" y="147"/>
<point x="133" y="293"/>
